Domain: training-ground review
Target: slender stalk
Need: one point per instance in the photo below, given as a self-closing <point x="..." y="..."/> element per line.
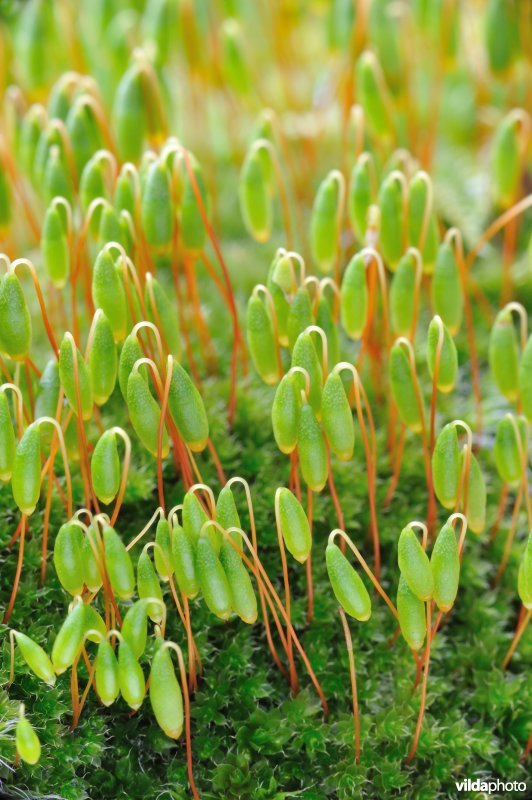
<point x="352" y="673"/>
<point x="413" y="749"/>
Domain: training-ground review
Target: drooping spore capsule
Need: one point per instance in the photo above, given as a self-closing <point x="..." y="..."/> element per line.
<point x="108" y="293"/>
<point x="227" y="513"/>
<point x="129" y="114"/>
<point x="447" y="364"/>
<point x="411" y="611"/>
<point x="15" y="320"/>
<point x="130" y="677"/>
<point x="360" y="196"/>
<point x="68" y="557"/>
<point x="187" y="409"/>
<point x="118" y="564"/>
<point x="524" y="583"/>
<point x="194" y="517"/>
<point x="165" y="694"/>
<point x="8" y="443"/>
<point x="403" y="385"/>
<point x="261" y="340"/>
<point x="299" y="316"/>
<point x="403" y="295"/>
<point x="337" y="418"/>
<point x="324" y="223"/>
<point x="91" y="570"/>
<point x="294" y="525"/>
<point x="510" y="448"/>
<point x="476" y="496"/>
<point x="374" y="95"/>
<point x="255" y="197"/>
<point x="27" y="741"/>
<point x="184" y="562"/>
<point x="304" y="355"/>
<point x="243" y="599"/>
<point x="525" y="380"/>
<point x="35" y="657"/>
<point x="69" y="640"/>
<point x="422" y="224"/>
<point x="135" y="627"/>
<point x="347" y="584"/>
<point x="70" y="358"/>
<point x="285" y="413"/>
<point x="506" y="160"/>
<point x="414" y="565"/>
<point x="446" y="289"/>
<point x="445" y="565"/>
<point x="504" y="355"/>
<point x="145" y="414"/>
<point x="54" y="246"/>
<point x="130" y="353"/>
<point x="162" y="552"/>
<point x="392" y="213"/>
<point x="148" y="586"/>
<point x="212" y="579"/>
<point x="26" y="476"/>
<point x="354" y="297"/>
<point x="106" y="673"/>
<point x="105" y="468"/>
<point x="312" y="450"/>
<point x="446" y="466"/>
<point x="156" y="209"/>
<point x="103" y="361"/>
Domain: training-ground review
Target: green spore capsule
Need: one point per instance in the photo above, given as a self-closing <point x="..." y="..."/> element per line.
<point x="184" y="562"/>
<point x="67" y="376"/>
<point x="26" y="477"/>
<point x="445" y="565"/>
<point x="325" y="321"/>
<point x="8" y="444"/>
<point x="95" y="629"/>
<point x="294" y="525"/>
<point x="476" y="497"/>
<point x="145" y="415"/>
<point x="129" y="114"/>
<point x="68" y="558"/>
<point x="261" y="340"/>
<point x="510" y="443"/>
<point x="403" y="295"/>
<point x="106" y="673"/>
<point x="354" y="298"/>
<point x="324" y="223"/>
<point x="134" y="628"/>
<point x="506" y="160"/>
<point x="285" y="413"/>
<point x="148" y="586"/>
<point x="391" y="205"/>
<point x="403" y="386"/>
<point x="118" y="563"/>
<point x="212" y="580"/>
<point x="27" y="741"/>
<point x="501" y="30"/>
<point x="337" y="418"/>
<point x="300" y="315"/>
<point x="56" y="181"/>
<point x="194" y="517"/>
<point x="164" y="315"/>
<point x="411" y="611"/>
<point x="374" y="95"/>
<point x="105" y="468"/>
<point x="130" y="353"/>
<point x="243" y="599"/>
<point x="162" y="553"/>
<point x="422" y="234"/>
<point x="233" y="63"/>
<point x="360" y="196"/>
<point x="113" y="227"/>
<point x="91" y="573"/>
<point x="83" y="132"/>
<point x="227" y="514"/>
<point x="103" y="360"/>
<point x="524" y="579"/>
<point x="347" y="584"/>
<point x="125" y="195"/>
<point x="5" y="201"/>
<point x="280" y="304"/>
<point x="193" y="232"/>
<point x="156" y="208"/>
<point x="446" y="289"/>
<point x="35" y="657"/>
<point x="69" y="640"/>
<point x="55" y="252"/>
<point x="130" y="677"/>
<point x="446" y="466"/>
<point x="48" y="396"/>
<point x="312" y="450"/>
<point x="504" y="355"/>
<point x="255" y="197"/>
<point x="525" y="380"/>
<point x="165" y="694"/>
<point x="15" y="320"/>
<point x="448" y="362"/>
<point x="304" y="355"/>
<point x="91" y="187"/>
<point x="187" y="409"/>
<point x="30" y="133"/>
<point x="415" y="565"/>
<point x="108" y="293"/>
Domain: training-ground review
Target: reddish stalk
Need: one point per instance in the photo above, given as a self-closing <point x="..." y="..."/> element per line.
<point x="352" y="673"/>
<point x="421" y="714"/>
<point x="23" y="526"/>
<point x="294" y="684"/>
<point x="517" y="637"/>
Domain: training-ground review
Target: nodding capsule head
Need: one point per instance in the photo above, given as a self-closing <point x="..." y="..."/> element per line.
<point x="324" y="223"/>
<point x="165" y="694"/>
<point x="445" y="565"/>
<point x="261" y="340"/>
<point x="415" y="565"/>
<point x="442" y="357"/>
<point x="294" y="525"/>
<point x="354" y="297"/>
<point x="446" y="466"/>
<point x="347" y="585"/>
<point x="255" y="198"/>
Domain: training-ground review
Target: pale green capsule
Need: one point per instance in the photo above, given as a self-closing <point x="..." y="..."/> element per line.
<point x="261" y="340"/>
<point x="285" y="413"/>
<point x="255" y="199"/>
<point x="26" y="476"/>
<point x="324" y="224"/>
<point x="411" y="611"/>
<point x="135" y="627"/>
<point x="446" y="466"/>
<point x="184" y="562"/>
<point x="294" y="526"/>
<point x="403" y="385"/>
<point x="418" y="197"/>
<point x="403" y="295"/>
<point x="233" y="60"/>
<point x="300" y="315"/>
<point x="391" y="205"/>
<point x="187" y="409"/>
<point x="280" y="303"/>
<point x="27" y="742"/>
<point x="337" y="418"/>
<point x="69" y="640"/>
<point x="156" y="208"/>
<point x="476" y="497"/>
<point x="118" y="564"/>
<point x="374" y="95"/>
<point x="165" y="694"/>
<point x="501" y="30"/>
<point x="326" y="321"/>
<point x="106" y="673"/>
<point x="130" y="353"/>
<point x="103" y="361"/>
<point x="524" y="584"/>
<point x="194" y="517"/>
<point x="109" y="294"/>
<point x="91" y="572"/>
<point x="48" y="396"/>
<point x="55" y="251"/>
<point x="68" y="558"/>
<point x="414" y="565"/>
<point x="243" y="599"/>
<point x="105" y="468"/>
<point x="227" y="514"/>
<point x="8" y="444"/>
<point x="448" y="361"/>
<point x="360" y="196"/>
<point x="312" y="450"/>
<point x="35" y="657"/>
<point x="445" y="565"/>
<point x="304" y="355"/>
<point x="130" y="677"/>
<point x="508" y="448"/>
<point x="148" y="586"/>
<point x="15" y="320"/>
<point x="504" y="355"/>
<point x="525" y="380"/>
<point x="162" y="553"/>
<point x="192" y="226"/>
<point x="129" y="114"/>
<point x="354" y="298"/>
<point x="67" y="376"/>
<point x="347" y="584"/>
<point x="165" y="316"/>
<point x="446" y="289"/>
<point x="212" y="580"/>
<point x="506" y="161"/>
<point x="145" y="415"/>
